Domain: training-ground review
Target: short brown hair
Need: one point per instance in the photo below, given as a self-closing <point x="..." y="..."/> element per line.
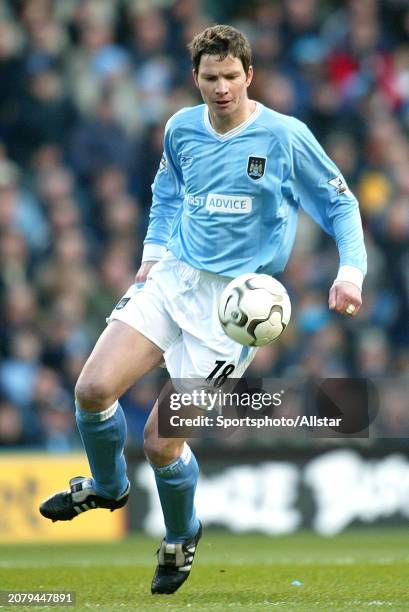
<point x="221" y="40"/>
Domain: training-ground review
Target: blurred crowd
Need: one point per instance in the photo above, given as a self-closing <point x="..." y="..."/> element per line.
<point x="86" y="87"/>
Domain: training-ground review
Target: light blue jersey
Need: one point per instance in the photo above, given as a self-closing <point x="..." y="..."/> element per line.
<point x="228" y="203"/>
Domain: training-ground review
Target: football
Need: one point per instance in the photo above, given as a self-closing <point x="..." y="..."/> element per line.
<point x="254" y="309"/>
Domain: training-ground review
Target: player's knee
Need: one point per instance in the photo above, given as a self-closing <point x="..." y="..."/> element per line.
<point x="161" y="452"/>
<point x="93" y="394"/>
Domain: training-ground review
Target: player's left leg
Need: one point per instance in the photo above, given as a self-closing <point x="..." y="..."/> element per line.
<point x="176" y="473"/>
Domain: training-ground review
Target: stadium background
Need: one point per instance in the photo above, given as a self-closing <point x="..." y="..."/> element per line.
<point x="85" y="90"/>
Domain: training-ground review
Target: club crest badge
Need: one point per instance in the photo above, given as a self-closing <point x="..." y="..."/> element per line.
<point x="256" y="167"/>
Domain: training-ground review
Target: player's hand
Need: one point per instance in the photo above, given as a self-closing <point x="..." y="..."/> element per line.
<point x="142" y="273"/>
<point x="345" y="297"/>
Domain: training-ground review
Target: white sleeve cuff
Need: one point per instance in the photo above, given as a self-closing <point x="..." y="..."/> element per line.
<point x="153" y="252"/>
<point x="350" y="274"/>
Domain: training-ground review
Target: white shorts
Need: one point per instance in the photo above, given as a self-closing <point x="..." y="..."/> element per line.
<point x="177" y="310"/>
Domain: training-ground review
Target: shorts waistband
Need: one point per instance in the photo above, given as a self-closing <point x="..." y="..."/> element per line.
<point x="189" y="272"/>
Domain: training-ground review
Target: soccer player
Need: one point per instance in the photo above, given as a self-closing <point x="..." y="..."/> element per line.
<point x="225" y="199"/>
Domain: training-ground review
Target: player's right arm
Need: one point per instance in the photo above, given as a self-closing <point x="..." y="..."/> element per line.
<point x="167" y="200"/>
<point x="142" y="273"/>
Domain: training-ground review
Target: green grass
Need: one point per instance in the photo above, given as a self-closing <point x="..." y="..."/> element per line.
<point x="358" y="570"/>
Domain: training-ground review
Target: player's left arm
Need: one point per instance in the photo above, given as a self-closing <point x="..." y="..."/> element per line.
<point x="319" y="187"/>
<point x="345" y="297"/>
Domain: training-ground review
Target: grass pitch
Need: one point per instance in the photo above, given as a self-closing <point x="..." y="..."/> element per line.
<point x="357" y="570"/>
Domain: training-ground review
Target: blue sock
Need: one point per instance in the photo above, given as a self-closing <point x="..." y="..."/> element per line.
<point x="103" y="435"/>
<point x="176" y="487"/>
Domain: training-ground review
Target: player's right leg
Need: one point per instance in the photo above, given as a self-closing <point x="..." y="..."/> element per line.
<point x="121" y="356"/>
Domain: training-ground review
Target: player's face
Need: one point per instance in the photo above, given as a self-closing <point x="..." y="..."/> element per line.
<point x="223" y="85"/>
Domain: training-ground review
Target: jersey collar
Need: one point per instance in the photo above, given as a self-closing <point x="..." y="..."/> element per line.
<point x="237" y="130"/>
